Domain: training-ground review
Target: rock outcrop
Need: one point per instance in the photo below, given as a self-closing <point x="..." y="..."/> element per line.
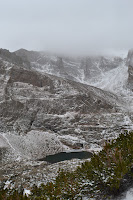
<point x="130" y="69"/>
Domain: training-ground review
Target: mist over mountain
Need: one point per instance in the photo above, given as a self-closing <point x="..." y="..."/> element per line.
<point x="72" y="27"/>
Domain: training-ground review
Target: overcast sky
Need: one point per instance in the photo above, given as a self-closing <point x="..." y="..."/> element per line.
<point x="79" y="26"/>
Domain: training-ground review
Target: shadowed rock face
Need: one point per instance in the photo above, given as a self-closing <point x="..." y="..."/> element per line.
<point x="29" y="77"/>
<point x="130" y="69"/>
<point x="30" y="56"/>
<point x="130" y="58"/>
<point x="13" y="58"/>
<point x="130" y="77"/>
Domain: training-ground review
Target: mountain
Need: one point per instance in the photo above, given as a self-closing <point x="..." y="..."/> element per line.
<point x="51" y="103"/>
<point x="80" y="69"/>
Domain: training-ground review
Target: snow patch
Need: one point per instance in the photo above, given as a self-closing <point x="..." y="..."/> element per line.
<point x="34" y="145"/>
<point x="129" y="195"/>
<point x="26" y="192"/>
<point x="113" y="80"/>
<point x="95" y="148"/>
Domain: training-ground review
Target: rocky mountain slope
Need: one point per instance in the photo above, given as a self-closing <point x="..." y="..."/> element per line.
<point x="47" y="106"/>
<point x="80" y="69"/>
<point x="31" y="101"/>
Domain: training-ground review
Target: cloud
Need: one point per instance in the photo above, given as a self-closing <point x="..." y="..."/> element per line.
<point x="80" y="26"/>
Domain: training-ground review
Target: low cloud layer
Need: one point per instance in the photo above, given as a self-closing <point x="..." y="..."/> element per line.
<point x="69" y="26"/>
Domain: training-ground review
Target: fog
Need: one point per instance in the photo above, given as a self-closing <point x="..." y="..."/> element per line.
<point x="67" y="26"/>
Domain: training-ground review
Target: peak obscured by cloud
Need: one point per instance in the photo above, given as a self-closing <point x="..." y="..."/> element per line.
<point x="67" y="26"/>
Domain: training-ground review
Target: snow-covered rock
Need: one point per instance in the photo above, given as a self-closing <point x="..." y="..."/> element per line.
<point x="80" y="69"/>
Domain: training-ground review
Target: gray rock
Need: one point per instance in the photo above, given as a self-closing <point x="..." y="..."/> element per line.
<point x="130" y="69"/>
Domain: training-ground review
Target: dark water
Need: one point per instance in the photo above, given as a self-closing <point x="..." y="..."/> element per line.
<point x="66" y="156"/>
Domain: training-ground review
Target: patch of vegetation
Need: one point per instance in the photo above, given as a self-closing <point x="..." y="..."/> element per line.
<point x="12" y="195"/>
<point x="102" y="175"/>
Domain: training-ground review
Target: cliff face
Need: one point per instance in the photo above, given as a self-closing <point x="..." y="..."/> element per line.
<point x="130" y="77"/>
<point x="130" y="58"/>
<point x="130" y="69"/>
<point x="80" y="69"/>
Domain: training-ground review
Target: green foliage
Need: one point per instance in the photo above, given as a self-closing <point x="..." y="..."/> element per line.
<point x="11" y="195"/>
<point x="103" y="173"/>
